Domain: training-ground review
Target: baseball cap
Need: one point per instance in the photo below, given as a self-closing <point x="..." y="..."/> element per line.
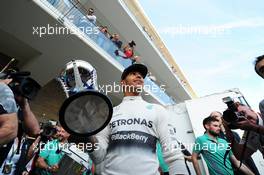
<point x="142" y="69"/>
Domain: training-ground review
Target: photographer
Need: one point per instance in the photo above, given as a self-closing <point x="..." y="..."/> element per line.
<point x="8" y="114"/>
<point x="248" y="161"/>
<point x="51" y="154"/>
<point x="28" y="127"/>
<point x="48" y="132"/>
<point x="215" y="151"/>
<point x="16" y="151"/>
<point x="13" y="155"/>
<point x="253" y="124"/>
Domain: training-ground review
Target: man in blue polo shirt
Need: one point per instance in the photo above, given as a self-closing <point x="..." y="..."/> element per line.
<point x="213" y="150"/>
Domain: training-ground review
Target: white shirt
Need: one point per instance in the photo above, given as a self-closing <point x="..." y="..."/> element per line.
<point x="92" y="18"/>
<point x="128" y="144"/>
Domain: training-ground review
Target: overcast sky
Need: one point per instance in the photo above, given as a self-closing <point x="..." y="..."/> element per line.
<point x="214" y="42"/>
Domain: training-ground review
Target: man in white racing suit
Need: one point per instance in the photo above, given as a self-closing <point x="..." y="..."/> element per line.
<point x="127" y="146"/>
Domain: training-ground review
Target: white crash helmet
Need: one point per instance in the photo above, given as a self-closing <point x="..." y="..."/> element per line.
<point x="78" y="76"/>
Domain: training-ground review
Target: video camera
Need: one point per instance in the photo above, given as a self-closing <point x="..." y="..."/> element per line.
<point x="21" y="83"/>
<point x="231" y="115"/>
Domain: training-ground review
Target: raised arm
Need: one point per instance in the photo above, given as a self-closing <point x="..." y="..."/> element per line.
<point x="243" y="167"/>
<point x="30" y="121"/>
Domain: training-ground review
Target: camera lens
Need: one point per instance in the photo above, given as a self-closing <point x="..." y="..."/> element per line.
<point x="28" y="88"/>
<point x="230" y="116"/>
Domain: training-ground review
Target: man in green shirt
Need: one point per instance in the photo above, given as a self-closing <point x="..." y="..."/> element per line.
<point x="50" y="156"/>
<point x="213" y="150"/>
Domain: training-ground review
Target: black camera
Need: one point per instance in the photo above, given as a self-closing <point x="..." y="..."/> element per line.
<point x="22" y="84"/>
<point x="48" y="130"/>
<point x="231" y="115"/>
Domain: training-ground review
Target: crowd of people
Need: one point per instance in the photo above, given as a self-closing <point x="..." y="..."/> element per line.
<point x="26" y="148"/>
<point x="87" y="21"/>
<point x="138" y="133"/>
<point x="126" y="51"/>
<point x="234" y="157"/>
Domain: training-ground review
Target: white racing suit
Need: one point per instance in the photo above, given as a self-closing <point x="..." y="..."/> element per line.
<point x="128" y="144"/>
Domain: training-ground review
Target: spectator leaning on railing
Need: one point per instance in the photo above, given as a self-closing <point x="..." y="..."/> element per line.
<point x="128" y="52"/>
<point x="116" y="40"/>
<point x="90" y="16"/>
<point x="104" y="30"/>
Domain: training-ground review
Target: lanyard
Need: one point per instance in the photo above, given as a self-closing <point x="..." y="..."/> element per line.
<point x="14" y="149"/>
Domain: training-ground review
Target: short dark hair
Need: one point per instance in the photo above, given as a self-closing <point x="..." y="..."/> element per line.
<point x="209" y="120"/>
<point x="258" y="59"/>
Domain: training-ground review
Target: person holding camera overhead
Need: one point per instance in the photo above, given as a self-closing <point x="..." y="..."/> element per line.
<point x="252" y="123"/>
<point x="249" y="162"/>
